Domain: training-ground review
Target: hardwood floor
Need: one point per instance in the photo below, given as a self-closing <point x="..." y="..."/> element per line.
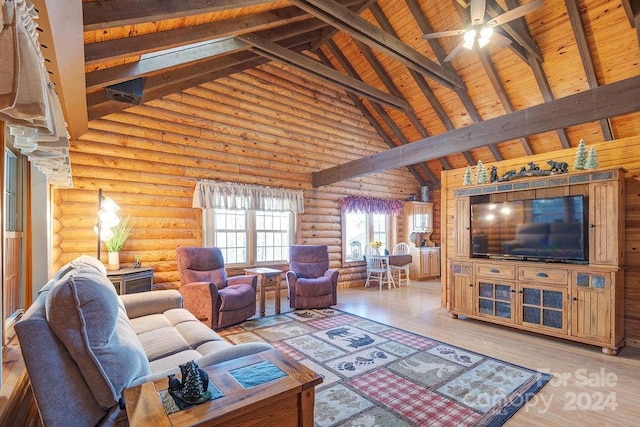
<point x="589" y="388"/>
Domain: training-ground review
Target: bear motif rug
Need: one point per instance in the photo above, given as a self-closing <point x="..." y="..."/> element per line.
<point x="378" y="375"/>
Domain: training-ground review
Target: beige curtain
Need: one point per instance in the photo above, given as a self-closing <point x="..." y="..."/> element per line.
<point x="228" y="195"/>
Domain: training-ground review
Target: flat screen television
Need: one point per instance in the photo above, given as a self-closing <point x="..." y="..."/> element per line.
<point x="546" y="229"/>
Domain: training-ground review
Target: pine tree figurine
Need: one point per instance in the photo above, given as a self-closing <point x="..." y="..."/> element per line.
<point x="581" y="156"/>
<point x="592" y="159"/>
<point x="482" y="176"/>
<point x="192" y="387"/>
<point x="467" y="177"/>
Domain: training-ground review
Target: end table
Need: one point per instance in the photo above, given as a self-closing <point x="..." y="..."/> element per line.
<point x="130" y="280"/>
<point x="265" y="276"/>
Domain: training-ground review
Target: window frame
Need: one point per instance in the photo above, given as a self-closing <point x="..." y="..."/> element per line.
<point x="370" y="235"/>
<point x="209" y="235"/>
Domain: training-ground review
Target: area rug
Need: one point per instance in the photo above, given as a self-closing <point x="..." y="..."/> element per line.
<point x="378" y="375"/>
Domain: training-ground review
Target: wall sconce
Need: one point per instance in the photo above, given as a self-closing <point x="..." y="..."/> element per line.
<point x="107" y="218"/>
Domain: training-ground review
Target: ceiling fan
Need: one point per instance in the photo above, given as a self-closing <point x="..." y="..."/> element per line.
<point x="482" y="31"/>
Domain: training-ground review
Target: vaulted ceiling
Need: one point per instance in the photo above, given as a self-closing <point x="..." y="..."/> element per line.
<point x="376" y="52"/>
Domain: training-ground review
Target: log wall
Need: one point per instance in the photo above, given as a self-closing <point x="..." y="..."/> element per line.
<point x="269" y="126"/>
<point x="616" y="153"/>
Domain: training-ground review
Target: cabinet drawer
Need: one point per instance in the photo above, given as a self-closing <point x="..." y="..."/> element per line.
<point x="557" y="276"/>
<point x="496" y="270"/>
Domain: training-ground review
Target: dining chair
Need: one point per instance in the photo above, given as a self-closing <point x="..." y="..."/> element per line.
<point x="402" y="269"/>
<point x="377" y="270"/>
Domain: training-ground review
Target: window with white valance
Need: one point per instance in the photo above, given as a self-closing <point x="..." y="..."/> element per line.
<point x="228" y="195"/>
<point x="250" y="224"/>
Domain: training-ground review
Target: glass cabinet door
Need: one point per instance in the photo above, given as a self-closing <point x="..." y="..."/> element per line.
<point x="495" y="300"/>
<point x="543" y="307"/>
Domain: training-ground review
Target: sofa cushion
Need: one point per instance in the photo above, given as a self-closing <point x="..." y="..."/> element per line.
<point x="85" y="313"/>
<point x="162" y="342"/>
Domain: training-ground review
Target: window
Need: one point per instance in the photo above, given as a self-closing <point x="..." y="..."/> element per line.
<point x="249" y="237"/>
<point x="359" y="229"/>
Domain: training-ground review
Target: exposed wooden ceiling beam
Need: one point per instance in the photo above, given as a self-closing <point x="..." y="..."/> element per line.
<point x="585" y="56"/>
<point x="547" y="95"/>
<point x="278" y="53"/>
<point x="108" y="76"/>
<point x="190" y="56"/>
<point x="61" y="44"/>
<point x="393" y="127"/>
<point x="393" y="89"/>
<point x="127" y="47"/>
<point x="175" y="80"/>
<point x="610" y="100"/>
<point x="365" y="111"/>
<point x="632" y="9"/>
<point x="100" y="15"/>
<point x="516" y="29"/>
<point x="331" y="32"/>
<point x="425" y="27"/>
<point x="417" y="77"/>
<point x="359" y="28"/>
<point x="500" y="90"/>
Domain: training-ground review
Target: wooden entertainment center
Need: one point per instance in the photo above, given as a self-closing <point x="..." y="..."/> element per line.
<point x="579" y="302"/>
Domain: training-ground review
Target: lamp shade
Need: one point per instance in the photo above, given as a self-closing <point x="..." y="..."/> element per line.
<point x="108" y="218"/>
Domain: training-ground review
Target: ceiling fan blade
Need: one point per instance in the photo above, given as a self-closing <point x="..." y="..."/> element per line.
<point x="498" y="40"/>
<point x="516" y="13"/>
<point x="478" y="8"/>
<point x="455" y="52"/>
<point x="443" y="34"/>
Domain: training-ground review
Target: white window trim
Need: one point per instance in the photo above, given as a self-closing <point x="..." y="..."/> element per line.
<point x="208" y="236"/>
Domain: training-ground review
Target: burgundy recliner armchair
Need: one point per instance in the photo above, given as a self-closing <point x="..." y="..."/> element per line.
<point x="311" y="283"/>
<point x="215" y="299"/>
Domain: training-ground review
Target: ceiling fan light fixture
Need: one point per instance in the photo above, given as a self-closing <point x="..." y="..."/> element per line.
<point x="469" y="39"/>
<point x="486" y="33"/>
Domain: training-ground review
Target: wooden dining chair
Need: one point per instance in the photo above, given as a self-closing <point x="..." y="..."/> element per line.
<point x="401" y="249"/>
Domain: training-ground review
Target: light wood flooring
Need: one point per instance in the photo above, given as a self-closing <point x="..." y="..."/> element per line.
<point x="589" y="388"/>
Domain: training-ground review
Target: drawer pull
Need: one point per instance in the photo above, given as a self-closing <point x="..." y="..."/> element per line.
<point x="494" y="270"/>
<point x="541" y="274"/>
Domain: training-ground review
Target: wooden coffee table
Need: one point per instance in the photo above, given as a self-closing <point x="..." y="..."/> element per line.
<point x="284" y="401"/>
<point x="265" y="275"/>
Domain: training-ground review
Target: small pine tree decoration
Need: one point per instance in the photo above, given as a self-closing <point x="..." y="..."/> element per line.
<point x="581" y="156"/>
<point x="467" y="180"/>
<point x="592" y="159"/>
<point x="482" y="177"/>
<point x="192" y="387"/>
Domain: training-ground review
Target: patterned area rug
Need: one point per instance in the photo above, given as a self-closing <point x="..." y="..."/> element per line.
<point x="377" y="375"/>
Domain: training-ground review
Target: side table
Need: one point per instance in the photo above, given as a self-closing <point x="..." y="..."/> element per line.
<point x="131" y="280"/>
<point x="285" y="401"/>
<point x="267" y="276"/>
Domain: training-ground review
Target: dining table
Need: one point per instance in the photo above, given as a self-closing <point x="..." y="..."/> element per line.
<point x="388" y="261"/>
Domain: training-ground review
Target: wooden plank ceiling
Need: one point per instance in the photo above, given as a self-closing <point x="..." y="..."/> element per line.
<point x="375" y="51"/>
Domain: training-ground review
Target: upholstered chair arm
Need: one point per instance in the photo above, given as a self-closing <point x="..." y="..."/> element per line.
<point x="292" y="278"/>
<point x="245" y="279"/>
<point x="201" y="299"/>
<point x="145" y="303"/>
<point x="333" y="274"/>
